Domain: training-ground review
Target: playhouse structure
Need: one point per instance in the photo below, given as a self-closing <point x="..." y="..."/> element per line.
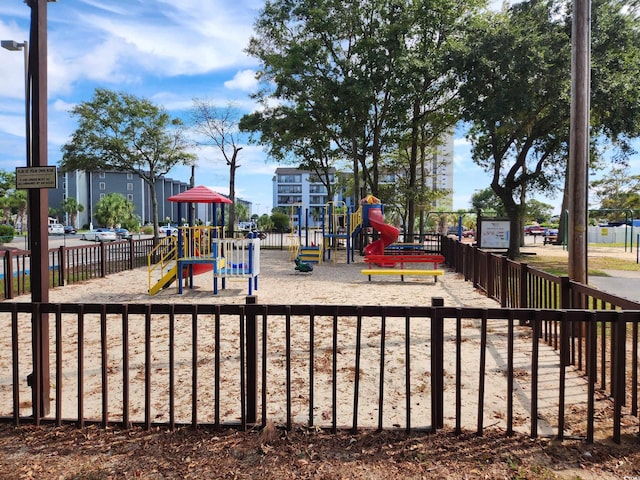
<point x="340" y="226"/>
<point x="199" y="249"/>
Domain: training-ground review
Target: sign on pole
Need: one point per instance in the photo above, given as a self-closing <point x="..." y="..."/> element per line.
<point x="36" y="177"/>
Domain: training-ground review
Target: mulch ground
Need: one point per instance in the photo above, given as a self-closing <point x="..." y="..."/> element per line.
<point x="48" y="452"/>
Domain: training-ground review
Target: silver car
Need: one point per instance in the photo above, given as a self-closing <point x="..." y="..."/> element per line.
<point x="100" y="235"/>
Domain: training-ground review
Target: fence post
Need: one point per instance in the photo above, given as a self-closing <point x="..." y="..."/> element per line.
<point x="103" y="260"/>
<point x="437" y="356"/>
<point x="131" y="254"/>
<point x="618" y="371"/>
<point x="252" y="360"/>
<point x="61" y="263"/>
<point x="565" y="293"/>
<point x="9" y="290"/>
<point x="491" y="277"/>
<point x="504" y="282"/>
<point x="524" y="286"/>
<point x="565" y="338"/>
<point x="476" y="267"/>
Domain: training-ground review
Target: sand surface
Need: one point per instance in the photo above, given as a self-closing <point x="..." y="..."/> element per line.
<point x="330" y="283"/>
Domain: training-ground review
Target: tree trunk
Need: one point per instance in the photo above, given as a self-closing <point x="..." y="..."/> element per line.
<point x="154" y="209"/>
<point x="413" y="167"/>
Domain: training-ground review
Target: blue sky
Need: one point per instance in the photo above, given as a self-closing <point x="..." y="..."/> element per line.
<point x="169" y="52"/>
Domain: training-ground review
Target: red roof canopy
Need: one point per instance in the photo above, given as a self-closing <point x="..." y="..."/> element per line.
<point x="199" y="194"/>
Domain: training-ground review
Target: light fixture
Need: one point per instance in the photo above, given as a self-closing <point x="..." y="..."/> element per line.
<point x="13" y="45"/>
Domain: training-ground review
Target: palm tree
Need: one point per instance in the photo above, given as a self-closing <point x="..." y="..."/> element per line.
<point x="71" y="207"/>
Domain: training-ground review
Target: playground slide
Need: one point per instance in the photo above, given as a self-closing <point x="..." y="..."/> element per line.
<point x="388" y="233"/>
<point x="171" y="275"/>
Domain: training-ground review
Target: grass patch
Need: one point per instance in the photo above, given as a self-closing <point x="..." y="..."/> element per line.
<point x="559" y="265"/>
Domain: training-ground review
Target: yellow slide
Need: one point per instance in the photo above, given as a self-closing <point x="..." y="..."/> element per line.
<point x="166" y="280"/>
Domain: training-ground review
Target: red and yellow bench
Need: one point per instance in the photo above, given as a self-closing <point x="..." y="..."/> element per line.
<point x="396" y="265"/>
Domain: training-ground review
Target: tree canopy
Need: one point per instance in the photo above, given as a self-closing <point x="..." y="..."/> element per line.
<point x="347" y="83"/>
<point x="515" y="70"/>
<point x="121" y="132"/>
<point x="114" y="209"/>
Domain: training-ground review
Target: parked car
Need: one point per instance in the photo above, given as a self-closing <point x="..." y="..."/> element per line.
<point x="68" y="229"/>
<point x="534" y="230"/>
<point x="168" y="230"/>
<point x="100" y="235"/>
<point x="123" y="233"/>
<point x="56" y="229"/>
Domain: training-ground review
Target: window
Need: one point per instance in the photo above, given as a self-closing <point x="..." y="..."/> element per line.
<point x="101" y="196"/>
<point x="102" y="175"/>
<point x="289" y="179"/>
<point x="103" y="186"/>
<point x="130" y="197"/>
<point x="129" y="176"/>
<point x="314" y="188"/>
<point x="289" y="200"/>
<point x="130" y="187"/>
<point x="289" y="188"/>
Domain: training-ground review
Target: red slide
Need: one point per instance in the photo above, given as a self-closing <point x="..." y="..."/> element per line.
<point x="388" y="233"/>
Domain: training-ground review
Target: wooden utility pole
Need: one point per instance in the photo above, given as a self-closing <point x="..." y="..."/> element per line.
<point x="39" y="210"/>
<point x="579" y="140"/>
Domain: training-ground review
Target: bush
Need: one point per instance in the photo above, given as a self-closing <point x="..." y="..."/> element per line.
<point x="6" y="233"/>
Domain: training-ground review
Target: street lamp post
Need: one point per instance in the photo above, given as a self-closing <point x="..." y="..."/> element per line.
<point x="16" y="47"/>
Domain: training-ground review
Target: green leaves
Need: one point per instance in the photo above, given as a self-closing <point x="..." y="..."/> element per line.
<point x="118" y="131"/>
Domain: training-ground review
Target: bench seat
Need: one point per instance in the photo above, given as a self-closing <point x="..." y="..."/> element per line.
<point x="402" y="272"/>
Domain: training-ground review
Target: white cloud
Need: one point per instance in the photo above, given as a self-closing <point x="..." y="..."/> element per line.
<point x="243" y="80"/>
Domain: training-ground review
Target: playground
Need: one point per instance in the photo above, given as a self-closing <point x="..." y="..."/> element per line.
<point x="196" y="249"/>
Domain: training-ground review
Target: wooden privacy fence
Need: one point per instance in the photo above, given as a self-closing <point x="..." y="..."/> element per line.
<point x="568" y="374"/>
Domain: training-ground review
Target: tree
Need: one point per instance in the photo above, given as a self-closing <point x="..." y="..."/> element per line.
<point x="242" y="213"/>
<point x="219" y="128"/>
<point x="352" y="80"/>
<point x="486" y="200"/>
<point x="114" y="209"/>
<point x="538" y="211"/>
<point x="71" y="207"/>
<point x="121" y="132"/>
<point x="7" y="188"/>
<point x="280" y="221"/>
<point x="19" y="203"/>
<point x="618" y="191"/>
<point x="514" y="72"/>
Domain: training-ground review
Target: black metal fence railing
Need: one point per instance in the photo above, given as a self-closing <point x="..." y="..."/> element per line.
<point x="327" y="366"/>
<point x="73" y="264"/>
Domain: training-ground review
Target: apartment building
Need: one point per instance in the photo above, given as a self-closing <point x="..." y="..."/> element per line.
<point x="440" y="172"/>
<point x="293" y="186"/>
<point x="89" y="187"/>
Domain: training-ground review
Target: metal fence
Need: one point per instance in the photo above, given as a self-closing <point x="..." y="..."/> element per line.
<point x="328" y="366"/>
<point x="517" y="285"/>
<point x="69" y="265"/>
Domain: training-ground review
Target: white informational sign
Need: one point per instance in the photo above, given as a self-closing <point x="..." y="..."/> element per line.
<point x="36" y="177"/>
<point x="495" y="234"/>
